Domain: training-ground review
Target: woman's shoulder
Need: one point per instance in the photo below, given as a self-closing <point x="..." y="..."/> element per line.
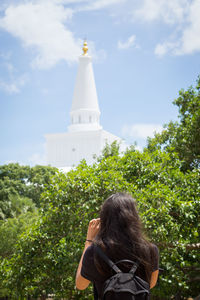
<point x="88" y="258"/>
<point x="154" y="248"/>
<point x="89" y="270"/>
<point x="89" y="253"/>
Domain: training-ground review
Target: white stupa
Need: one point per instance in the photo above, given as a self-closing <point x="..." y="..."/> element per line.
<point x="85" y="136"/>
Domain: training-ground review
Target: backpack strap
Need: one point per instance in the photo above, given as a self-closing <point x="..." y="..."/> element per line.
<point x="114" y="265"/>
<point x="134" y="268"/>
<point x="107" y="260"/>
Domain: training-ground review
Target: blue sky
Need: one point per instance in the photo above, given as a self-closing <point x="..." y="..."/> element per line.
<point x="143" y="53"/>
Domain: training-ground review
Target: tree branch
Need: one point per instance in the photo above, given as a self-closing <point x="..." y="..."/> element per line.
<point x="188" y="246"/>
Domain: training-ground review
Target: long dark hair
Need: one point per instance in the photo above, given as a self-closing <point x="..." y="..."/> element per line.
<point x="121" y="235"/>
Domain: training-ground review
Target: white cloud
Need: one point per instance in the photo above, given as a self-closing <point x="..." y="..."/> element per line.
<point x="11" y="162"/>
<point x="6" y="55"/>
<point x="164" y="48"/>
<point x="168" y="11"/>
<point x="141" y="130"/>
<point x="14" y="81"/>
<point x="99" y="4"/>
<point x="10" y="67"/>
<point x="13" y="86"/>
<point x="41" y="28"/>
<point x="128" y="44"/>
<point x="190" y="41"/>
<point x="10" y="88"/>
<point x="37" y="159"/>
<point x="182" y="16"/>
<point x="187" y="41"/>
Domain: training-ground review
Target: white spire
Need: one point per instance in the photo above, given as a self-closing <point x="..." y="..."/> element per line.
<point x="85" y="111"/>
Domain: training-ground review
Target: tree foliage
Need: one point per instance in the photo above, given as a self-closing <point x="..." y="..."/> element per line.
<point x="20" y="190"/>
<point x="183" y="137"/>
<point x="10" y="231"/>
<point x="20" y="183"/>
<point x="168" y="200"/>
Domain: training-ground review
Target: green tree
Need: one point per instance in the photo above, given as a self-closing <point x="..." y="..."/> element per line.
<point x="21" y="182"/>
<point x="10" y="231"/>
<point x="20" y="190"/>
<point x="168" y="200"/>
<point x="183" y="137"/>
<point x="112" y="149"/>
<point x="46" y="259"/>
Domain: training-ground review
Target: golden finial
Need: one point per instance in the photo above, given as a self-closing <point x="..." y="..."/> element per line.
<point x="85" y="48"/>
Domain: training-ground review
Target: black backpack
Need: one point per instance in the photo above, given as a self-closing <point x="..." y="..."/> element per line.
<point x="123" y="286"/>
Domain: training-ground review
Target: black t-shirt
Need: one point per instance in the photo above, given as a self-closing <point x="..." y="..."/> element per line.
<point x="90" y="272"/>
